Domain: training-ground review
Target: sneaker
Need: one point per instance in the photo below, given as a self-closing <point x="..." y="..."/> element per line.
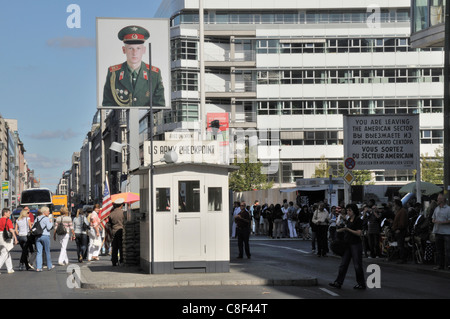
<point x="335" y="285"/>
<point x="11" y="271"/>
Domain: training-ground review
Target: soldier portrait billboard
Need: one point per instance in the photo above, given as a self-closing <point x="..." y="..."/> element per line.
<point x="124" y="73"/>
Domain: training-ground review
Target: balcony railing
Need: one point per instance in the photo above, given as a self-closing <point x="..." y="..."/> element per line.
<point x="225" y="87"/>
<point x="225" y="56"/>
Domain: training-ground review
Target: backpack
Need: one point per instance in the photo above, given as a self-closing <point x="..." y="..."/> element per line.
<point x="61" y="230"/>
<point x="292" y="213"/>
<point x="37" y="230"/>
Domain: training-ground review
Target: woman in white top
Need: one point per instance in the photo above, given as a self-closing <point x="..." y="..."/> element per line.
<point x="23" y="226"/>
<point x="64" y="238"/>
<point x="95" y="240"/>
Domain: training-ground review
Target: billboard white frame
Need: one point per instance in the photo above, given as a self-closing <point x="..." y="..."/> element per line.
<point x="109" y="53"/>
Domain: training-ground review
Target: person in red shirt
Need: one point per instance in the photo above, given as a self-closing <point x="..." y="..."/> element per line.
<point x="6" y="246"/>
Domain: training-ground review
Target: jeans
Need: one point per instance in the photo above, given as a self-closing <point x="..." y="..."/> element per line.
<point x="277" y="228"/>
<point x="81" y="241"/>
<point x="442" y="250"/>
<point x="43" y="243"/>
<point x="353" y="251"/>
<point x="292" y="231"/>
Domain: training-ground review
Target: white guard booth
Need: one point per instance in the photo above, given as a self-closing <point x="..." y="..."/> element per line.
<point x="189" y="231"/>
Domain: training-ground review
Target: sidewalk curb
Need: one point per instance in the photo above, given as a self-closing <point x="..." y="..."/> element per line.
<point x="136" y="279"/>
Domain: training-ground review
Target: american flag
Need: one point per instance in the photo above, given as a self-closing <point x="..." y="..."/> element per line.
<point x="104" y="213"/>
<point x="106" y="205"/>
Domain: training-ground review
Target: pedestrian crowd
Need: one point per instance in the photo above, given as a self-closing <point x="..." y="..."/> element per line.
<point x="33" y="233"/>
<point x="391" y="230"/>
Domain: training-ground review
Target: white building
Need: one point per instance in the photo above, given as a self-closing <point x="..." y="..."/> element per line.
<point x="297" y="67"/>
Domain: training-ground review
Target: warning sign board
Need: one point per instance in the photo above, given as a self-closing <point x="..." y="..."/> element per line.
<point x="382" y="141"/>
<point x="349" y="178"/>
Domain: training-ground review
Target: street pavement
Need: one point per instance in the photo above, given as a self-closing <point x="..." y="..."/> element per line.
<point x="101" y="275"/>
<point x="263" y="272"/>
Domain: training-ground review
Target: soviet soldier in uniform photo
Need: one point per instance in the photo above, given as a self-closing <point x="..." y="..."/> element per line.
<point x="127" y="84"/>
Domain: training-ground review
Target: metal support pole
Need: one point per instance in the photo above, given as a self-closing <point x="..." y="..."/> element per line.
<point x="447" y="100"/>
<point x="152" y="215"/>
<point x="201" y="111"/>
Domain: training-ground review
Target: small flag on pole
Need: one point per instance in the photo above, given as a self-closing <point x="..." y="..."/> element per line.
<point x="106" y="205"/>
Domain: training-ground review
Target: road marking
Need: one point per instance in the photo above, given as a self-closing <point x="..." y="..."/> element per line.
<point x="329" y="292"/>
<point x="289" y="248"/>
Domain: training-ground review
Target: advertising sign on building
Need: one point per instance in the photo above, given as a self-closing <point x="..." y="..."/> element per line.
<point x="218" y="127"/>
<point x="381" y="141"/>
<point x="124" y="73"/>
<point x="5" y="189"/>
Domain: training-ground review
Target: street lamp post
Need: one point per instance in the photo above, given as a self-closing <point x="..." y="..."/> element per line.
<point x="447" y="100"/>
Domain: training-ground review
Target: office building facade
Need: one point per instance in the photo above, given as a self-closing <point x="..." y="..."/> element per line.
<point x="290" y="70"/>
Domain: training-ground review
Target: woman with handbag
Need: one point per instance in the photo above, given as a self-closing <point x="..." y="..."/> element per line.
<point x="81" y="227"/>
<point x="95" y="241"/>
<point x="64" y="232"/>
<point x="353" y="250"/>
<point x="23" y="227"/>
<point x="7" y="240"/>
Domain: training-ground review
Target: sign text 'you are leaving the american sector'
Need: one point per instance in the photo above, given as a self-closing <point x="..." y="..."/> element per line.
<point x="382" y="141"/>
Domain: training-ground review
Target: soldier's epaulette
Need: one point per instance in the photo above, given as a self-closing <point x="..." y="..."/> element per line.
<point x="154" y="68"/>
<point x="115" y="67"/>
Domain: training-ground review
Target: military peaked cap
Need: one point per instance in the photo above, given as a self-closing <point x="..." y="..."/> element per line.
<point x="133" y="34"/>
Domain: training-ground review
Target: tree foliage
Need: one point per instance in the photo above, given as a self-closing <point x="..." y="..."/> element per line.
<point x="248" y="177"/>
<point x="432" y="167"/>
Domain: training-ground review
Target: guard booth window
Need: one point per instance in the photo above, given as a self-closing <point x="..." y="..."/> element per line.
<point x="189" y="196"/>
<point x="214" y="199"/>
<point x="163" y="199"/>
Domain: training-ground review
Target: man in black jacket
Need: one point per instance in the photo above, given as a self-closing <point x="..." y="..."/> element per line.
<point x="243" y="224"/>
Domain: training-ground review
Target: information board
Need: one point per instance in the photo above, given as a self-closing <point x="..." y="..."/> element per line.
<point x="382" y="141"/>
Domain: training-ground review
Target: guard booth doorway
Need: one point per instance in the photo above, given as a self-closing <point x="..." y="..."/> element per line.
<point x="189" y="226"/>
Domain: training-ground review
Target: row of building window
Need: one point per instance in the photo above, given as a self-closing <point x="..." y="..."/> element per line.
<point x="187" y="80"/>
<point x="401" y="75"/>
<point x="352" y="45"/>
<point x="336" y="137"/>
<point x="388" y="106"/>
<point x="188" y="110"/>
<point x="187" y="49"/>
<point x="293" y="16"/>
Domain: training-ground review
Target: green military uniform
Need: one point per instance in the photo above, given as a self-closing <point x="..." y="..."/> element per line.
<point x="119" y="89"/>
<point x="125" y="88"/>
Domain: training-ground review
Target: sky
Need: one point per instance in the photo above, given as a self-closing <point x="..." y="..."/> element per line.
<point x="49" y="75"/>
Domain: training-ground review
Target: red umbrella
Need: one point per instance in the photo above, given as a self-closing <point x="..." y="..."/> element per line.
<point x="128" y="197"/>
